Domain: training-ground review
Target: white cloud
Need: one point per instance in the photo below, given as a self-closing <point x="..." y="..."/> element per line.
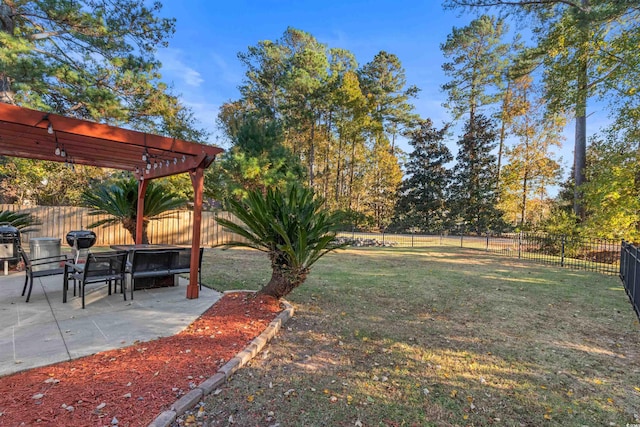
<point x="192" y="77"/>
<point x="175" y="69"/>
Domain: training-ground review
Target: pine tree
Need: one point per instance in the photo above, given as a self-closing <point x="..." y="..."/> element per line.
<point x="422" y="201"/>
<point x="91" y="60"/>
<point x="473" y="197"/>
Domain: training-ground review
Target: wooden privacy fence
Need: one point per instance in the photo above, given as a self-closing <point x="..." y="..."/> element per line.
<point x="173" y="229"/>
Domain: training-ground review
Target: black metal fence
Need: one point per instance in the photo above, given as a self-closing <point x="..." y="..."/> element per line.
<point x="630" y="273"/>
<point x="600" y="255"/>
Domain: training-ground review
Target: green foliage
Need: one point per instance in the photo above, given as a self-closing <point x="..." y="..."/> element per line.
<point x="383" y="83"/>
<point x="531" y="168"/>
<point x="92" y="60"/>
<point x="473" y="197"/>
<point x="43" y="183"/>
<point x="612" y="192"/>
<point x="422" y="203"/>
<point x="339" y="120"/>
<point x="257" y="161"/>
<point x="585" y="49"/>
<point x="292" y="227"/>
<point x="23" y="221"/>
<point x="119" y="200"/>
<point x="476" y="62"/>
<point x="560" y="222"/>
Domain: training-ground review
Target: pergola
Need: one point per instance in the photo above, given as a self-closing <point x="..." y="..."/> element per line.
<point x="44" y="136"/>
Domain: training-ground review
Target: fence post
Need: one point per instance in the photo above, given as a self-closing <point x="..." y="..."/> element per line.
<point x="383" y="238"/>
<point x="520" y="244"/>
<point x="562" y="252"/>
<point x="461" y="237"/>
<point x="412" y="234"/>
<point x="622" y="260"/>
<point x="487" y="248"/>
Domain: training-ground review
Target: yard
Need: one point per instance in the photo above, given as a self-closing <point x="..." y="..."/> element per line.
<point x="437" y="336"/>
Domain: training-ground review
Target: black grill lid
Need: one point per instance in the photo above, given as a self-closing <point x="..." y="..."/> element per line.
<point x="84" y="238"/>
<point x="8" y="230"/>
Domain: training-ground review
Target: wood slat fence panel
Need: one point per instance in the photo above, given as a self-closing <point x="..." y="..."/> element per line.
<point x="172" y="229"/>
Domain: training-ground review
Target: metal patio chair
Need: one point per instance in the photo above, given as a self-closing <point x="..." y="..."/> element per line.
<point x="108" y="267"/>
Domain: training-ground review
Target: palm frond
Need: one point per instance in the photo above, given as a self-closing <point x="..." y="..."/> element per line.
<point x="23" y="221"/>
<point x="292" y="225"/>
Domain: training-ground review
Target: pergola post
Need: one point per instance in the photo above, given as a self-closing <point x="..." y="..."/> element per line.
<point x="142" y="189"/>
<point x="197" y="180"/>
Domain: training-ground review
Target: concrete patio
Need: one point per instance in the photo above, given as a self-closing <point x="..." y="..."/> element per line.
<point x="45" y="331"/>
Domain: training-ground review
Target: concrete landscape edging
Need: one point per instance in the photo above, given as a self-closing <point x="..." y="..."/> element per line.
<point x="191" y="399"/>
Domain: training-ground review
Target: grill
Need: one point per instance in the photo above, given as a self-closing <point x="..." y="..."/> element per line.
<point x="80" y="241"/>
<point x="9" y="245"/>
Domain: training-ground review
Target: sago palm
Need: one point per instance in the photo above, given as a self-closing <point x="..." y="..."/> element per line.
<point x="23" y="221"/>
<point x="119" y="200"/>
<point x="291" y="226"/>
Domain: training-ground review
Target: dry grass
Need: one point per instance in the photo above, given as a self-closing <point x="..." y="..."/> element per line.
<point x="438" y="336"/>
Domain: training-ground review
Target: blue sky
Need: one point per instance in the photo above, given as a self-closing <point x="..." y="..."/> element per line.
<point x="201" y="60"/>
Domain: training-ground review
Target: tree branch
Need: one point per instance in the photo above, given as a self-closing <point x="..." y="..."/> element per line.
<point x="494" y="3"/>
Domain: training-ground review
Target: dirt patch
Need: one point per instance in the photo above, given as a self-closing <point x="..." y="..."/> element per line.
<point x="132" y="385"/>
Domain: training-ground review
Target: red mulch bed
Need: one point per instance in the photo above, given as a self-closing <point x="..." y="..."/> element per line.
<point x="135" y="384"/>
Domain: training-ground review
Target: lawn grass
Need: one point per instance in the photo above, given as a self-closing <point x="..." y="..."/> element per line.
<point x="438" y="336"/>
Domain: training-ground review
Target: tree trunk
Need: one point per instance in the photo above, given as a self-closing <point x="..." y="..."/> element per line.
<point x="580" y="147"/>
<point x="523" y="211"/>
<point x="312" y="152"/>
<point x="129" y="224"/>
<point x="282" y="282"/>
<point x="503" y="131"/>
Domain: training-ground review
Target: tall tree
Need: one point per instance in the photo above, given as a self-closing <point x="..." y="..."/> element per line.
<point x="476" y="56"/>
<point x="91" y="60"/>
<point x="382" y="183"/>
<point x="473" y="196"/>
<point x="286" y="80"/>
<point x="587" y="47"/>
<point x="531" y="169"/>
<point x="340" y="120"/>
<point x="258" y="160"/>
<point x="422" y="202"/>
<point x="384" y="84"/>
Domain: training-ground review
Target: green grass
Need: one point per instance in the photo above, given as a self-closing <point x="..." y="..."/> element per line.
<point x="436" y="336"/>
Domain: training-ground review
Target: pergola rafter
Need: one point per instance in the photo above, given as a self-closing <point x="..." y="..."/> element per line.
<point x="44" y="136"/>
